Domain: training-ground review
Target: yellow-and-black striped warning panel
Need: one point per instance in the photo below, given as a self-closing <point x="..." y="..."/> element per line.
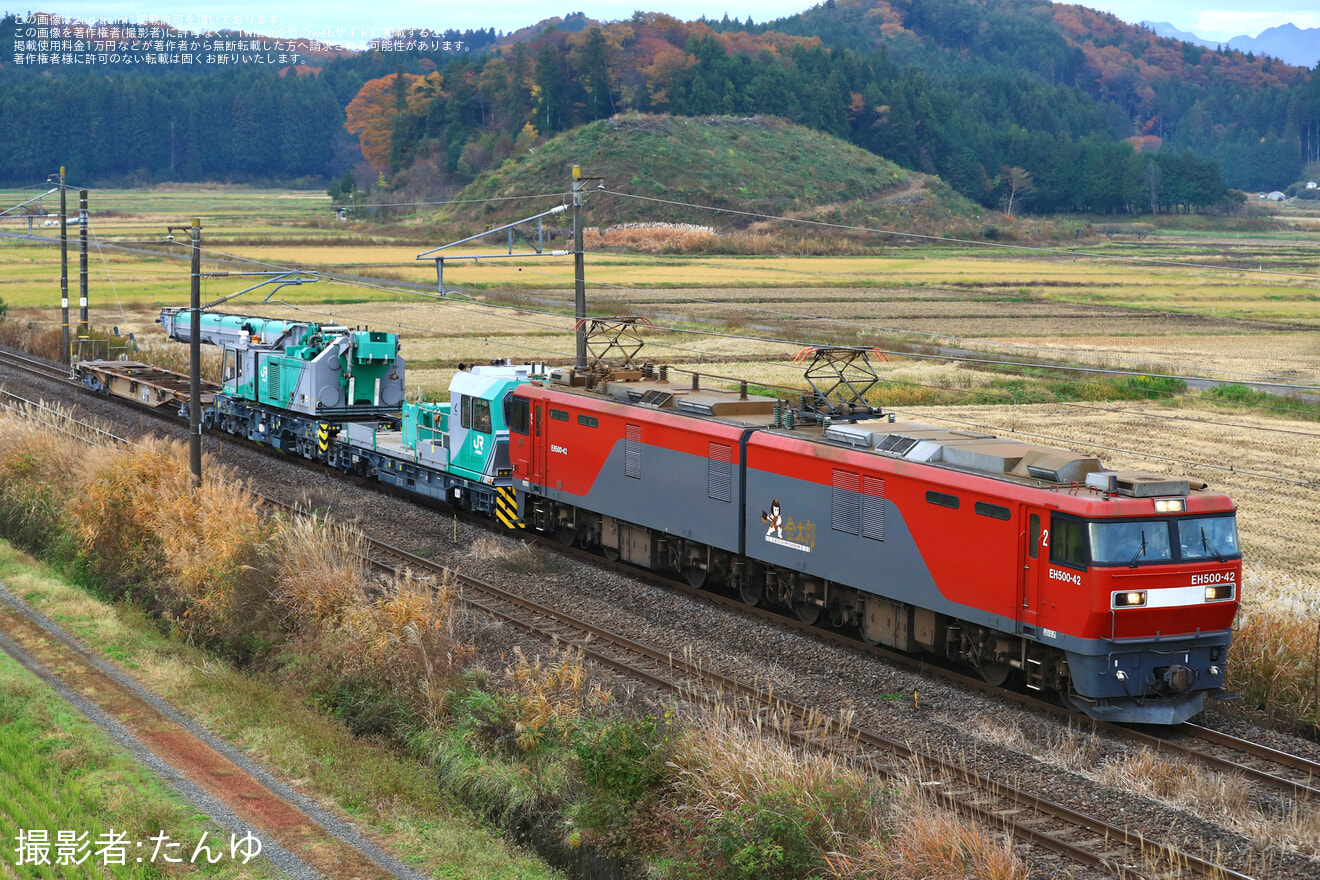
<point x="323" y="437"/>
<point x="506" y="508"/>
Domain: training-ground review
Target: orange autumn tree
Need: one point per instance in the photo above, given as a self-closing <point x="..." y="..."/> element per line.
<point x="371" y="115"/>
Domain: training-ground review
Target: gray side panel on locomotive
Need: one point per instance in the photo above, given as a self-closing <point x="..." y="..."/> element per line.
<point x="670" y="494"/>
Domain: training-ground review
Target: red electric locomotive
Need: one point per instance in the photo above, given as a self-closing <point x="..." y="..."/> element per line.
<point x="1116" y="590"/>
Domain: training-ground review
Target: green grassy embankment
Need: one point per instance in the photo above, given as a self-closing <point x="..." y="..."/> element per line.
<point x="757" y="165"/>
<point x="61" y="773"/>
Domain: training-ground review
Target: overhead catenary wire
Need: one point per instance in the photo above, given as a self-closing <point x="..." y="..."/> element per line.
<point x="955" y="357"/>
<point x="1057" y="440"/>
<point x="795" y="345"/>
<point x="820" y="319"/>
<point x="1306" y="484"/>
<point x="122" y="197"/>
<point x="106" y="266"/>
<point x="1273" y="380"/>
<point x="779" y="313"/>
<point x="880" y="328"/>
<point x="1122" y="450"/>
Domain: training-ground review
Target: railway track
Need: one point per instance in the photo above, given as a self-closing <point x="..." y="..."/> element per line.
<point x="36" y="366"/>
<point x="1269" y="769"/>
<point x="1302" y="774"/>
<point x="1034" y="820"/>
<point x="1079" y="838"/>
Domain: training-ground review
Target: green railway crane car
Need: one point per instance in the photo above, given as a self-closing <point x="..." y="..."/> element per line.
<point x="293" y="384"/>
<point x="308" y="368"/>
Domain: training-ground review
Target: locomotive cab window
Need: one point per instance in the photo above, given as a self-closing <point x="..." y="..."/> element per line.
<point x="1210" y="537"/>
<point x="517" y="413"/>
<point x="1130" y="542"/>
<point x="465" y="411"/>
<point x="1033" y="536"/>
<point x="480" y="414"/>
<point x="1067" y="542"/>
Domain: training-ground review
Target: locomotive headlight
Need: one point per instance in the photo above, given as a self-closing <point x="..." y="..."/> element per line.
<point x="1214" y="671"/>
<point x="1223" y="591"/>
<point x="1169" y="505"/>
<point x="1129" y="600"/>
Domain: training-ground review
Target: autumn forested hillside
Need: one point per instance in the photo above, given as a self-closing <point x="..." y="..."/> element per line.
<point x="976" y="125"/>
<point x="1094" y="114"/>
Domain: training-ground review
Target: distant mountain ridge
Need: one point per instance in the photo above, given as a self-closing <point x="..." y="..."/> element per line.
<point x="1287" y="42"/>
<point x="1165" y="29"/>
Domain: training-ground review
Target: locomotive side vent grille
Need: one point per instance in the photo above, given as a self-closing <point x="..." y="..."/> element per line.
<point x="873" y="508"/>
<point x="632" y="451"/>
<point x="896" y="444"/>
<point x="845" y="512"/>
<point x="719" y="474"/>
<point x="273" y="386"/>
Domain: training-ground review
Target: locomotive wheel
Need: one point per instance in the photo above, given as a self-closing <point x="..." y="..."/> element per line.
<point x="611" y="553"/>
<point x="751" y="593"/>
<point x="995" y="673"/>
<point x="697" y="576"/>
<point x="1070" y="700"/>
<point x="807" y="612"/>
<point x="566" y="535"/>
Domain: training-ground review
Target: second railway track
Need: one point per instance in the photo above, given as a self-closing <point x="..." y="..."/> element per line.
<point x="1080" y="838"/>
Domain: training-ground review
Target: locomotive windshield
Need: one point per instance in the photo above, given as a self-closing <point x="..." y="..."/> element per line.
<point x="1212" y="537"/>
<point x="1132" y="542"/>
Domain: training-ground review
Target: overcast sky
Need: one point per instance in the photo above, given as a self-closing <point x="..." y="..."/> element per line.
<point x="1210" y="19"/>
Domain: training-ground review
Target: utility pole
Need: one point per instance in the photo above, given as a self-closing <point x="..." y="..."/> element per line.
<point x="83" y="324"/>
<point x="194" y="353"/>
<point x="64" y="272"/>
<point x="195" y="360"/>
<point x="579" y="272"/>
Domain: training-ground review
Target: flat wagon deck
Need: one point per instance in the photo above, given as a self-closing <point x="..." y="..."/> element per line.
<point x="142" y="383"/>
